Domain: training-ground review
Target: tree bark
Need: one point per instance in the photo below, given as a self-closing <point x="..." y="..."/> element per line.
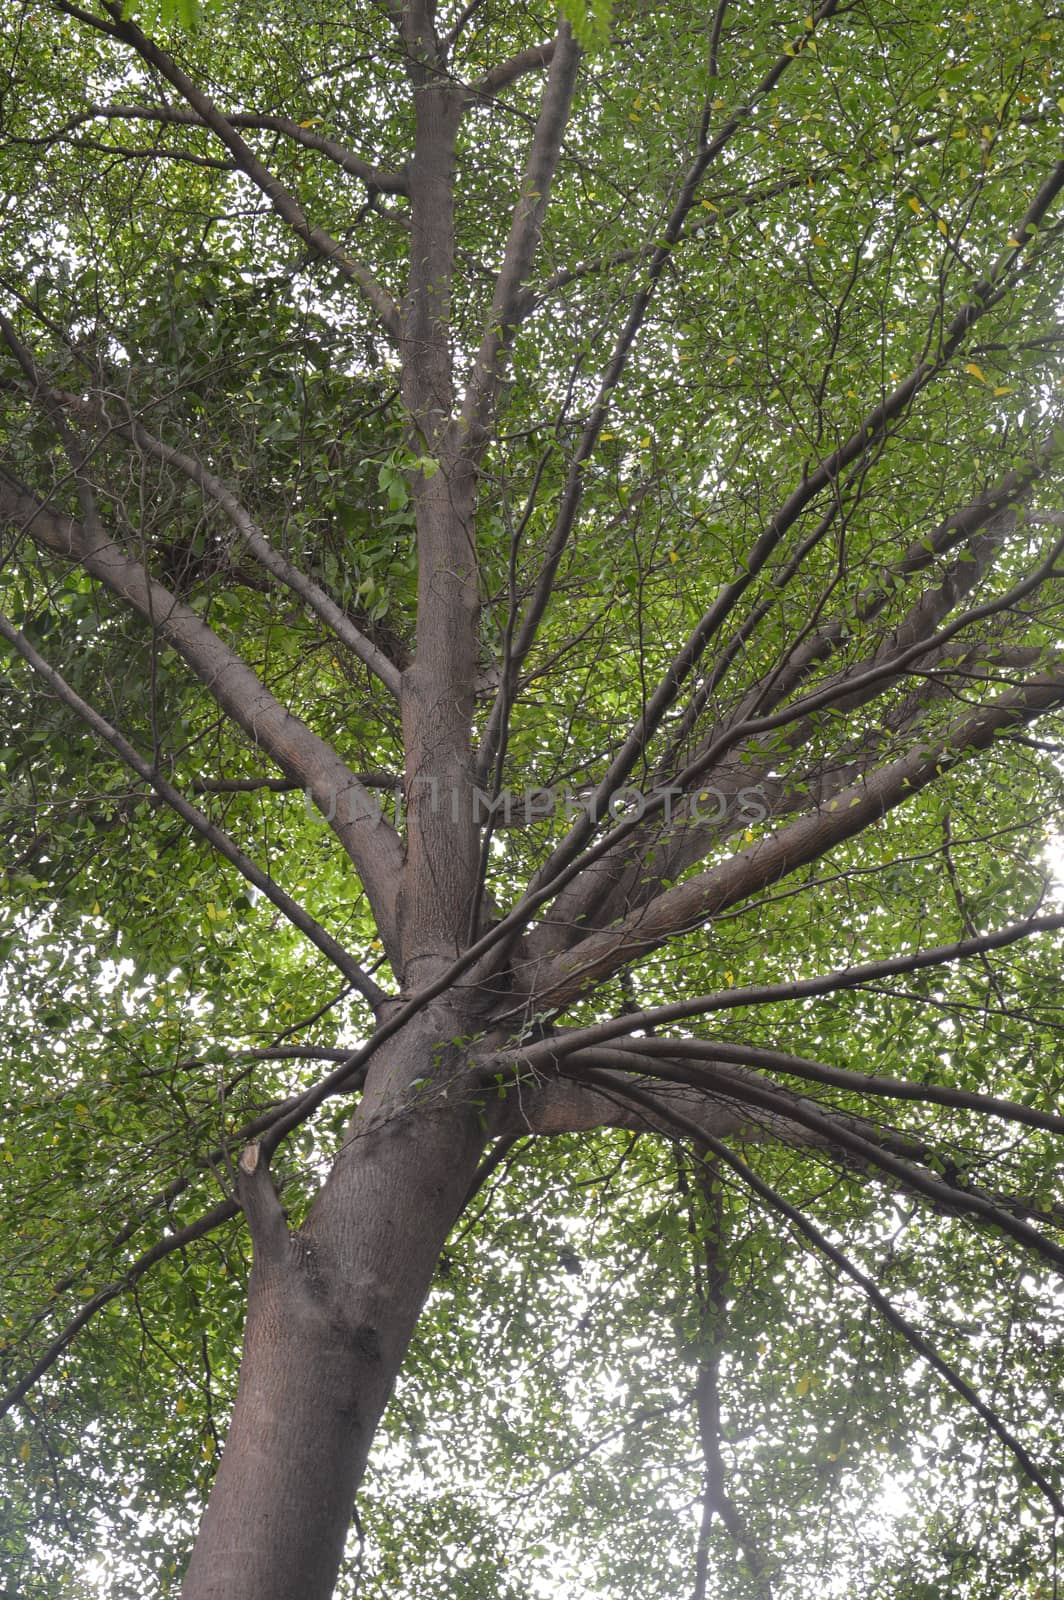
<point x="331" y="1310"/>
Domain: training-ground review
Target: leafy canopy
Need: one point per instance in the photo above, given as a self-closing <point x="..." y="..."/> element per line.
<point x="834" y="410"/>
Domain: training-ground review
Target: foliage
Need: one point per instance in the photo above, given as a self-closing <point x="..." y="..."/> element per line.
<point x="786" y="354"/>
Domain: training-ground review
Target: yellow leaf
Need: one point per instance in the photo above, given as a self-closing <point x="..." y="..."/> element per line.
<point x="673" y="556"/>
<point x="1013" y="241"/>
<point x="976" y="372"/>
<point x="707" y="205"/>
<point x="311" y="122"/>
<point x="1002" y="388"/>
<point x="729" y="978"/>
<point x="914" y="205"/>
<point x="942" y="228"/>
<point x="96" y="908"/>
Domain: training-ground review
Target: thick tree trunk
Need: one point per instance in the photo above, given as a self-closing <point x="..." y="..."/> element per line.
<point x="333" y="1306"/>
<point x="331" y="1311"/>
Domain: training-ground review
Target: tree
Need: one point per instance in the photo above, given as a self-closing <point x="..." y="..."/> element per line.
<point x="532" y="682"/>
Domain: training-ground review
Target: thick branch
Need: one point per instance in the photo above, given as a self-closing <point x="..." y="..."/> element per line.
<point x="375" y="779"/>
<point x="829" y="1129"/>
<point x="531" y="59"/>
<point x="545" y="1106"/>
<point x="317" y="600"/>
<point x="821" y="478"/>
<point x="353" y="814"/>
<point x="622" y="880"/>
<point x="699" y="898"/>
<point x="214" y="836"/>
<point x="713" y="1050"/>
<point x="790" y="718"/>
<point x="511" y="300"/>
<point x="261" y="1206"/>
<point x="439" y="878"/>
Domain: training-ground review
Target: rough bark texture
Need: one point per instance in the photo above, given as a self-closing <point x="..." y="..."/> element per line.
<point x="331" y="1310"/>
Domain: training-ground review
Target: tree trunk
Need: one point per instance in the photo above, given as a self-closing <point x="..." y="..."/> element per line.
<point x="331" y="1311"/>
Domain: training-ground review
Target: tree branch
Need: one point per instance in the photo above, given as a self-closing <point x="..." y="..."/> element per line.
<point x="511" y="300"/>
<point x="572" y="493"/>
<point x="697" y="899"/>
<point x="215" y="836"/>
<point x="622" y="880"/>
<point x="540" y="1054"/>
<point x="353" y="814"/>
<point x="540" y="892"/>
<point x="164" y="1247"/>
<point x="832" y="1130"/>
<point x="783" y="1207"/>
<point x="506" y="72"/>
<point x="558" y="867"/>
<point x="715" y="1050"/>
<point x="283" y="202"/>
<point x="375" y="178"/>
<point x="261" y="1207"/>
<point x="711" y="1288"/>
<point x="311" y="593"/>
<point x="204" y="1224"/>
<point x="376" y="779"/>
